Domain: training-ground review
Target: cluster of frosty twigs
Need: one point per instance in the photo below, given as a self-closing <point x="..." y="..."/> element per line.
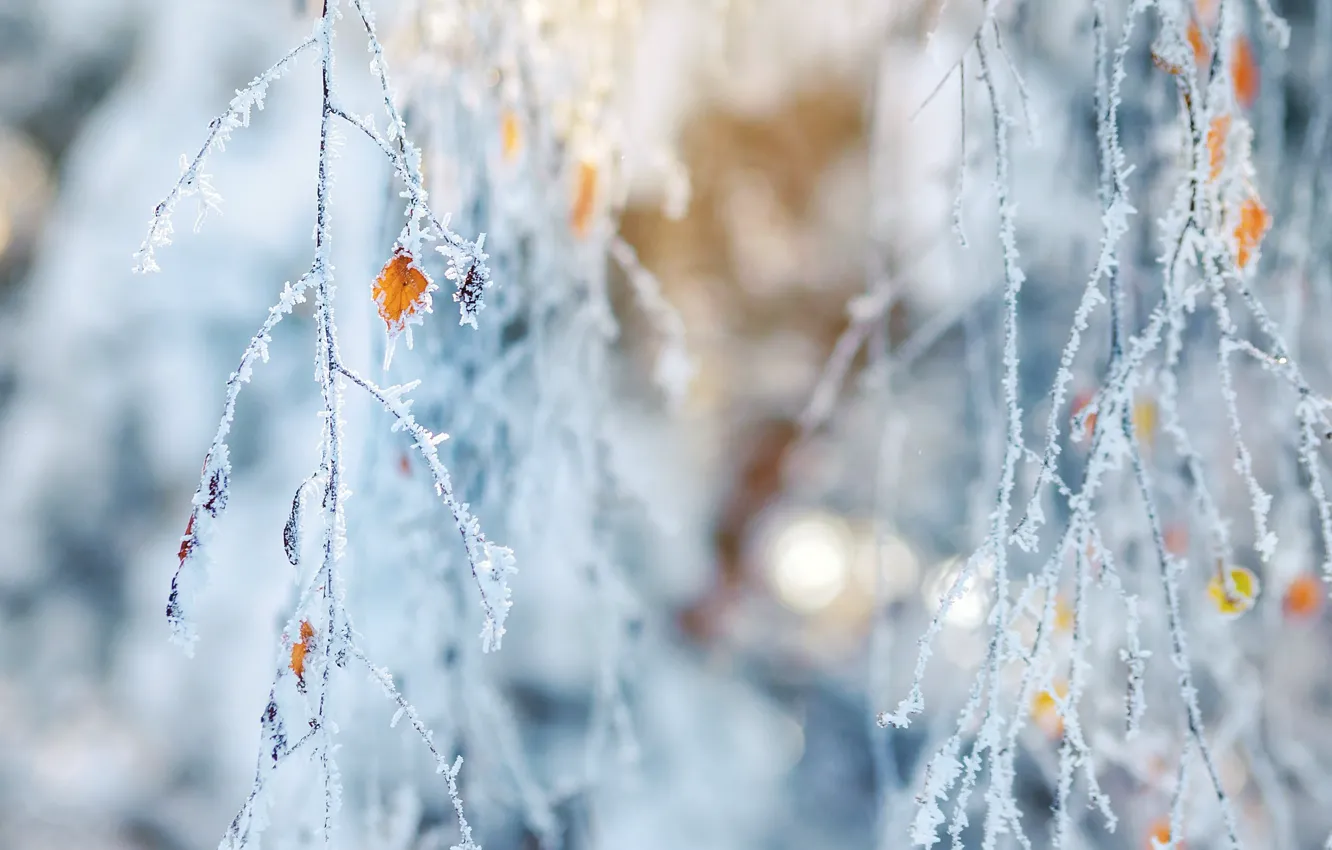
<point x="319" y="634"/>
<point x="1194" y="236"/>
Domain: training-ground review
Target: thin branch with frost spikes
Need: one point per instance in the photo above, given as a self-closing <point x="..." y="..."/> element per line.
<point x="210" y="497"/>
<point x="1260" y="500"/>
<point x="219" y="131"/>
<point x="479" y="550"/>
<point x="1311" y="412"/>
<point x="1000" y="807"/>
<point x="385" y="680"/>
<point x="239" y="831"/>
<point x="1219" y="534"/>
<point x="1115" y="209"/>
<point x="1178" y="642"/>
<point x="941" y="772"/>
<point x="181" y="629"/>
<point x="1024" y="97"/>
<point x="1117" y="395"/>
<point x="464" y="829"/>
<point x="243" y="824"/>
<point x="673" y="370"/>
<point x="1177" y="799"/>
<point x="472" y="275"/>
<point x="1285" y="366"/>
<point x="326" y="353"/>
<point x="995" y="546"/>
<point x="1169" y="578"/>
<point x="1074" y="749"/>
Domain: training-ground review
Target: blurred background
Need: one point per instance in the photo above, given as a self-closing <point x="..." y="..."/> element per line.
<point x="736" y="484"/>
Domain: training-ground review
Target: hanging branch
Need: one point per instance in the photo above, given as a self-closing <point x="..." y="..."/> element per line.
<point x="319" y="636"/>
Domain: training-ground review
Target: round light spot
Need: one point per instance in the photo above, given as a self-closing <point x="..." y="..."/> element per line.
<point x="809" y="561"/>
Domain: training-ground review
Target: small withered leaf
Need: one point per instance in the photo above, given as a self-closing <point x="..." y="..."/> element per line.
<point x="291" y="542"/>
<point x="298" y="653"/>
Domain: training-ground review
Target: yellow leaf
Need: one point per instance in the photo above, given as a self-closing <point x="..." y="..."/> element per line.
<point x="1238" y="598"/>
<point x="1064" y="615"/>
<point x="511" y="139"/>
<point x="1144" y="419"/>
<point x="1045" y="709"/>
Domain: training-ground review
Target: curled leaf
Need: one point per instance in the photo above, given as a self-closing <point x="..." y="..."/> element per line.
<point x="291" y="541"/>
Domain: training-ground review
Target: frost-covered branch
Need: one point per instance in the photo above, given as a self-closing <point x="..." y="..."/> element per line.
<point x="210" y="498"/>
<point x="491" y="565"/>
<point x="319" y="636"/>
<point x="192" y="179"/>
<point x="673" y="370"/>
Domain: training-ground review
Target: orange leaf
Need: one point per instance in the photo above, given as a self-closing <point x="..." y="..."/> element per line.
<point x="1144" y="420"/>
<point x="585" y="196"/>
<point x="1159" y="835"/>
<point x="400" y="290"/>
<point x="1252" y="226"/>
<point x="1304" y="597"/>
<point x="298" y="651"/>
<point x="511" y="138"/>
<point x="1244" y="72"/>
<point x="1202" y="54"/>
<point x="1216" y="145"/>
